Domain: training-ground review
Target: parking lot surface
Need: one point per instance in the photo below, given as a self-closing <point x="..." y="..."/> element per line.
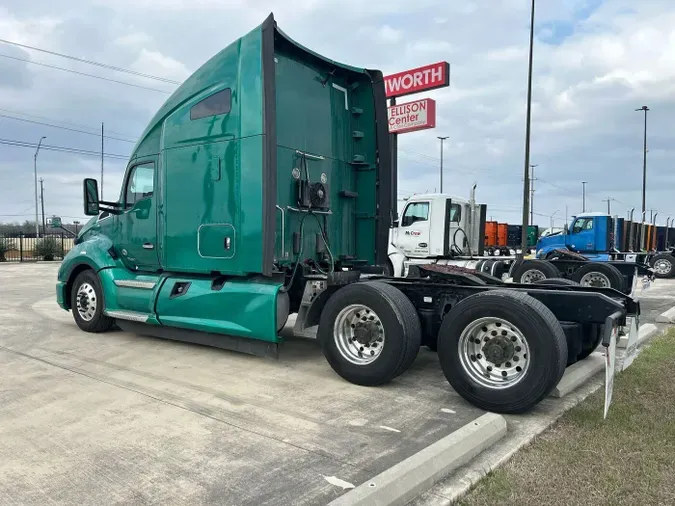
<point x="116" y="418"/>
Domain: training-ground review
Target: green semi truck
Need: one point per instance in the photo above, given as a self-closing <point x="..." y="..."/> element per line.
<point x="264" y="187"/>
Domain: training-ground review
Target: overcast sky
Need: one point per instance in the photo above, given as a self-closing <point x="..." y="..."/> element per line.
<point x="595" y="62"/>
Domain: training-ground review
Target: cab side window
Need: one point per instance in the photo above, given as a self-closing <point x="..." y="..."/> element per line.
<point x="455" y="213"/>
<point x="140" y="183"/>
<point x="582" y="224"/>
<point x="417" y="211"/>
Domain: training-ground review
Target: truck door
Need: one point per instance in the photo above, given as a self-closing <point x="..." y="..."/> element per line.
<point x="413" y="233"/>
<point x="581" y="237"/>
<point x="136" y="238"/>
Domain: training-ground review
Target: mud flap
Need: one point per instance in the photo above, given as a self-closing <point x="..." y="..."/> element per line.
<point x="609" y="342"/>
<point x="640" y="284"/>
<point x="631" y="347"/>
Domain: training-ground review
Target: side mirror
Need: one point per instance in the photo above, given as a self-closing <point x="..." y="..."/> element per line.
<point x="91" y="204"/>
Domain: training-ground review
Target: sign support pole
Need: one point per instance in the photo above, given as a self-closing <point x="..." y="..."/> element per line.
<point x="394" y="168"/>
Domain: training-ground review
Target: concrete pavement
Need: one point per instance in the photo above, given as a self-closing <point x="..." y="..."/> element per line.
<point x="118" y="418"/>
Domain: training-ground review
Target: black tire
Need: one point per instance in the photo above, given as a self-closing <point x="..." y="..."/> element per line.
<point x="402" y="332"/>
<point x="534" y="268"/>
<point x="545" y="339"/>
<point x="592" y="339"/>
<point x="556" y="281"/>
<point x="607" y="272"/>
<point x="99" y="322"/>
<point x="665" y="260"/>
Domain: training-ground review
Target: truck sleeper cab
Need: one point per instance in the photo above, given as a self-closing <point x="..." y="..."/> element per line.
<point x="262" y="187"/>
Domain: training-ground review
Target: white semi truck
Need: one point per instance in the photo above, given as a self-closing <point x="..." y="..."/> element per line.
<point x="441" y="229"/>
<point x="447" y="230"/>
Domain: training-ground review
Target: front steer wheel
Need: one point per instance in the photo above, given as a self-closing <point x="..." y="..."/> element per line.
<point x="502" y="350"/>
<point x="86" y="302"/>
<point x="369" y="333"/>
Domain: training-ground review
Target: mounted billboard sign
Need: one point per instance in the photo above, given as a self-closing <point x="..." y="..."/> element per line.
<point x="411" y="116"/>
<point x="411" y="81"/>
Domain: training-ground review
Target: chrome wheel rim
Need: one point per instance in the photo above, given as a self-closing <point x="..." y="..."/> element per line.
<point x="358" y="334"/>
<point x="494" y="353"/>
<point x="596" y="279"/>
<point x="663" y="266"/>
<point x="86" y="301"/>
<point x="532" y="276"/>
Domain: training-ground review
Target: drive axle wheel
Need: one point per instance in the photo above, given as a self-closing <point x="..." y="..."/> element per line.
<point x="502" y="350"/>
<point x="86" y="302"/>
<point x="531" y="271"/>
<point x="369" y="332"/>
<point x="599" y="275"/>
<point x="664" y="265"/>
<point x="494" y="352"/>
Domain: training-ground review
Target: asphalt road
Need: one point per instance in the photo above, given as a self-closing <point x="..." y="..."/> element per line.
<point x="115" y="418"/>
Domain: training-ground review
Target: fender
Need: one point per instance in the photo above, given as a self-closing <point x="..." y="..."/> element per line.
<point x="397" y="260"/>
<point x="93" y="253"/>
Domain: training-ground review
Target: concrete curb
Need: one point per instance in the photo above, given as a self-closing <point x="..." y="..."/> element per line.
<point x="524" y="431"/>
<point x="667" y="316"/>
<point x="646" y="331"/>
<point x="578" y="374"/>
<point x="409" y="478"/>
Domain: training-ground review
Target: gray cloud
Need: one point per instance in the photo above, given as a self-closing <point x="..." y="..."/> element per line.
<point x="593" y="66"/>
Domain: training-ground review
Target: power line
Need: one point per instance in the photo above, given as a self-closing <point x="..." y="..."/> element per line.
<point x="92" y="129"/>
<point x="62" y="149"/>
<point x="84" y="74"/>
<point x="555" y="185"/>
<point x="91" y="62"/>
<point x="65" y="128"/>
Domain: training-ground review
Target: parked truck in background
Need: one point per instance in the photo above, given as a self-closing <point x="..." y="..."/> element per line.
<point x="263" y="187"/>
<point x="600" y="237"/>
<point x="447" y="230"/>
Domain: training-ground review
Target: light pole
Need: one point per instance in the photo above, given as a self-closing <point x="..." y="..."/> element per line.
<point x="583" y="196"/>
<point x="526" y="169"/>
<point x="553" y="216"/>
<point x="442" y="139"/>
<point x="644" y="159"/>
<point x="37" y="228"/>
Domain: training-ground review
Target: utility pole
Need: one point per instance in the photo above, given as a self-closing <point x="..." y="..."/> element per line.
<point x="532" y="180"/>
<point x="101" y="160"/>
<point x="644" y="159"/>
<point x="526" y="169"/>
<point x="442" y="139"/>
<point x="583" y="196"/>
<point x="42" y="201"/>
<point x="37" y="227"/>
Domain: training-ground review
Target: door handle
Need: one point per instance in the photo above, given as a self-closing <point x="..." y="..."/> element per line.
<point x="148" y="245"/>
<point x="228" y="243"/>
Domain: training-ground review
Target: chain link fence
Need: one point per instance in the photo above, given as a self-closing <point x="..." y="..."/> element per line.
<point x="27" y="248"/>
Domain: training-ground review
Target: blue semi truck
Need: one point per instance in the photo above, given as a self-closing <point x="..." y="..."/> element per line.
<point x="599" y="237"/>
